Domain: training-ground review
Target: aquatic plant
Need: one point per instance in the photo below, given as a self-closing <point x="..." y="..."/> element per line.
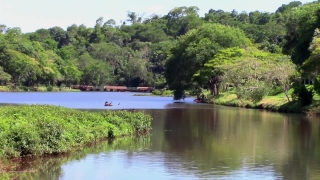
<point x="45" y="129"/>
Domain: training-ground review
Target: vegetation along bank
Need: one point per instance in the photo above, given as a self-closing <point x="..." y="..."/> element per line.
<point x="42" y="129"/>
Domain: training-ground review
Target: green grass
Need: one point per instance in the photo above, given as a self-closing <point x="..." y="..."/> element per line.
<point x="278" y="102"/>
<point x="162" y="92"/>
<point x="143" y="94"/>
<point x="157" y="92"/>
<point x="35" y="130"/>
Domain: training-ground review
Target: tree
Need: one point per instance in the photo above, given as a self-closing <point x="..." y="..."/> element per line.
<point x="316" y="85"/>
<point x="196" y="48"/>
<point x="282" y="72"/>
<point x="248" y="74"/>
<point x="300" y="27"/>
<point x="211" y="74"/>
<point x="94" y="72"/>
<point x="180" y="20"/>
<point x="110" y="22"/>
<point x="312" y="64"/>
<point x="4" y="77"/>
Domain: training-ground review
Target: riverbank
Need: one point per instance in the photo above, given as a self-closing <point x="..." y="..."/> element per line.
<point x="36" y="89"/>
<point x="277" y="103"/>
<point x="162" y="93"/>
<point x="38" y="130"/>
<point x="157" y="92"/>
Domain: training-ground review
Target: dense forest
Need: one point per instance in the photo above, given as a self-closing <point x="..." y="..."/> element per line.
<point x="257" y="52"/>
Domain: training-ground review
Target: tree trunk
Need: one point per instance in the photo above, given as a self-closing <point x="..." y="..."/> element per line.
<point x="214" y="85"/>
<point x="218" y="88"/>
<point x="215" y="89"/>
<point x="287" y="97"/>
<point x="286" y="93"/>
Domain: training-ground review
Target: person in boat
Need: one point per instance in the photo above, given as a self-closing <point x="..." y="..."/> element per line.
<point x="183" y="97"/>
<point x="108" y="104"/>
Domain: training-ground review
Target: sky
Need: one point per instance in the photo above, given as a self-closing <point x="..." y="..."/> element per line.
<point x="31" y="15"/>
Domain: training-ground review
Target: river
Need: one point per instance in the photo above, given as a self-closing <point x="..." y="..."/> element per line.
<point x="188" y="141"/>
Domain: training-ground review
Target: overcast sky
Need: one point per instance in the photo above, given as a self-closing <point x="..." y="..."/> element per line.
<point x="31" y="15"/>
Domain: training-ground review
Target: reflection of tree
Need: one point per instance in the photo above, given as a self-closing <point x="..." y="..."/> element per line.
<point x="50" y="168"/>
<point x="233" y="139"/>
<point x="197" y="139"/>
<point x="303" y="159"/>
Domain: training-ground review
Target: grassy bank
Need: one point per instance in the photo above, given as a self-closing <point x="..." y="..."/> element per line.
<point x="162" y="92"/>
<point x="39" y="89"/>
<point x="274" y="103"/>
<point x="43" y="129"/>
<point x="157" y="92"/>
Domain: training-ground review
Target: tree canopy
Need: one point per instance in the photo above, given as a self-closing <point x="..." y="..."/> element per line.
<point x="179" y="50"/>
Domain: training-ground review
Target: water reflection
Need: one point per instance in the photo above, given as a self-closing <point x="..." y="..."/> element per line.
<point x="216" y="143"/>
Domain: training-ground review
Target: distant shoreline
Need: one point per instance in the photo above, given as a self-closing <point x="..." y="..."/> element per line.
<point x="36" y="89"/>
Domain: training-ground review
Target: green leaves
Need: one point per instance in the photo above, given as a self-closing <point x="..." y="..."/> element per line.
<point x="42" y="129"/>
<point x="196" y="48"/>
<point x="301" y="23"/>
<point x="4" y="77"/>
<point x="317" y="85"/>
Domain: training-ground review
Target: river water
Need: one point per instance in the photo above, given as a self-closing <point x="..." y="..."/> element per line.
<point x="188" y="141"/>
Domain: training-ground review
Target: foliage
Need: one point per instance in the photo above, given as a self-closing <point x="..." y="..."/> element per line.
<point x="42" y="129"/>
<point x="316" y="85"/>
<point x="304" y="95"/>
<point x="300" y="26"/>
<point x="180" y="51"/>
<point x="311" y="65"/>
<point x="196" y="48"/>
<point x="162" y="92"/>
<point x="274" y="103"/>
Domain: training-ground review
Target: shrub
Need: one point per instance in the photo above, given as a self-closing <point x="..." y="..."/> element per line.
<point x="254" y="94"/>
<point x="301" y="93"/>
<point x="316" y="85"/>
<point x="43" y="129"/>
<point x="274" y="90"/>
<point x="49" y="88"/>
<point x="162" y="92"/>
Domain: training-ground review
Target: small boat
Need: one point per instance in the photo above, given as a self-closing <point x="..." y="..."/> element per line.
<point x="108" y="104"/>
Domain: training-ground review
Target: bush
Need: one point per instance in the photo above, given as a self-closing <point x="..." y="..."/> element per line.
<point x="49" y="88"/>
<point x="301" y="93"/>
<point x="274" y="90"/>
<point x="162" y="92"/>
<point x="42" y="129"/>
<point x="254" y="95"/>
<point x="316" y="85"/>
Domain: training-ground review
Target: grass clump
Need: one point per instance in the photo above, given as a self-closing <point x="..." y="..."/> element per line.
<point x="45" y="129"/>
<point x="162" y="92"/>
<point x="157" y="92"/>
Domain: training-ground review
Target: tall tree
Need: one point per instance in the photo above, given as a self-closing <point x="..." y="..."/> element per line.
<point x="195" y="49"/>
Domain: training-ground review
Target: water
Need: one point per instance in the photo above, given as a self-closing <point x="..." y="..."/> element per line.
<point x="188" y="141"/>
<point x="92" y="100"/>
